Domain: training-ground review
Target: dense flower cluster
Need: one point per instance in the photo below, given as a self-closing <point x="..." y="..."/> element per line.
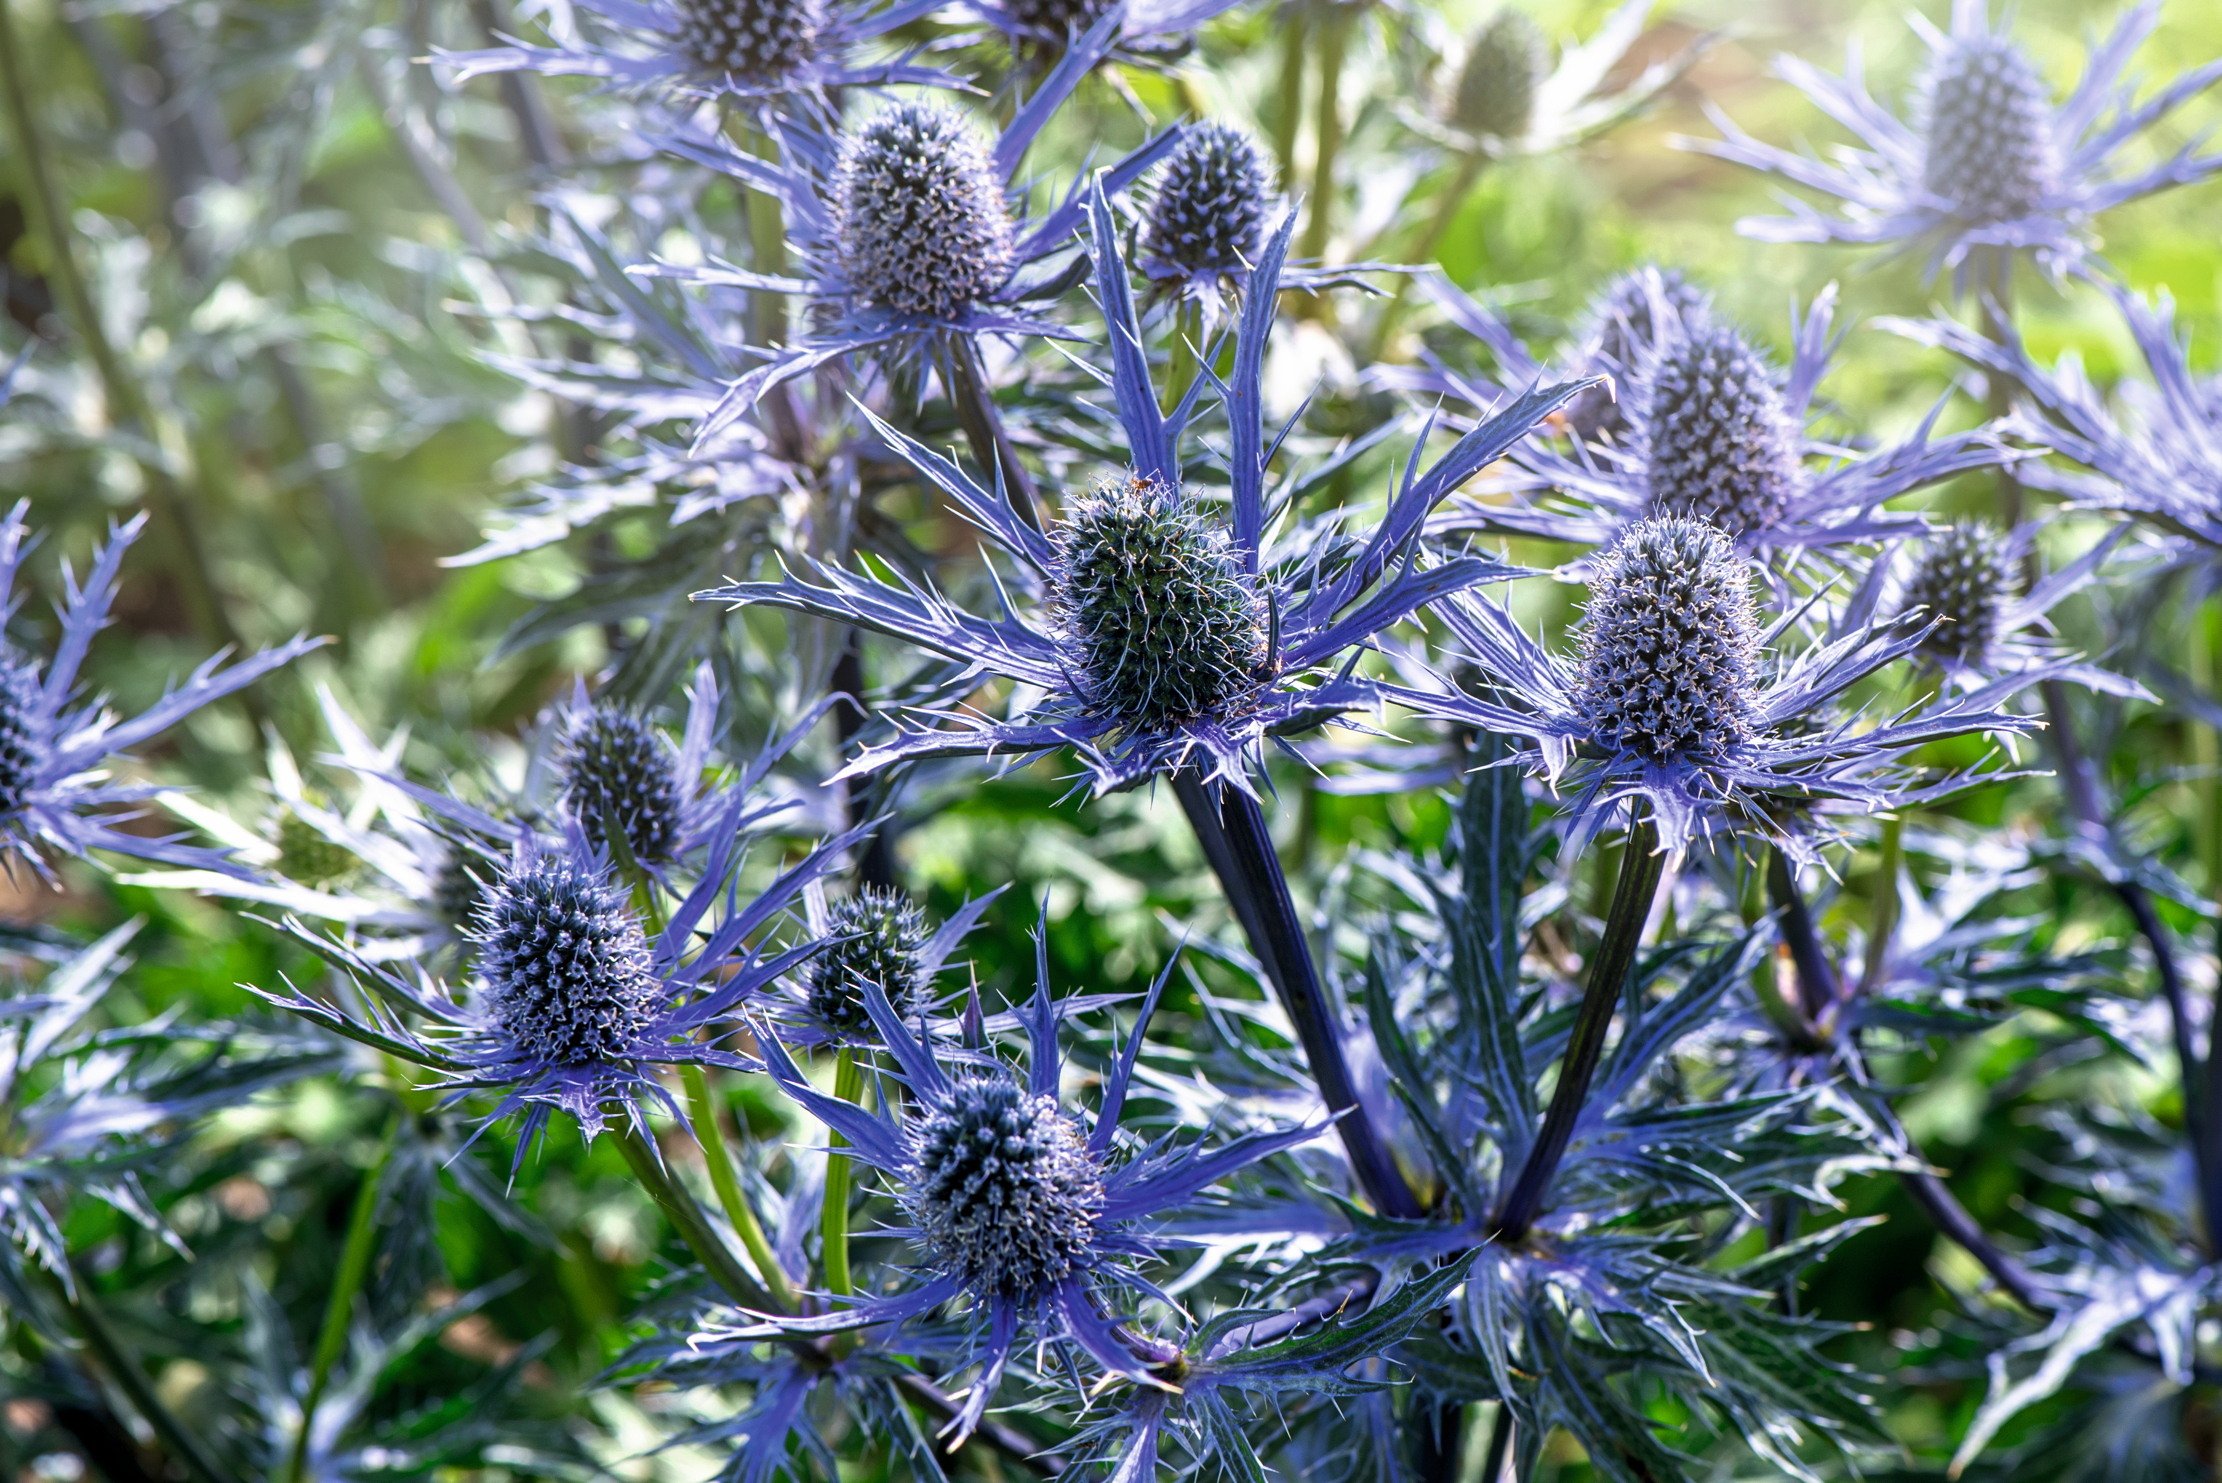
<point x="1716" y="441"/>
<point x="1505" y="63"/>
<point x="1002" y="1186"/>
<point x="1988" y="147"/>
<point x="1208" y="211"/>
<point x="755" y="40"/>
<point x="565" y="963"/>
<point x="621" y="781"/>
<point x="923" y="226"/>
<point x="878" y="937"/>
<point x="1964" y="580"/>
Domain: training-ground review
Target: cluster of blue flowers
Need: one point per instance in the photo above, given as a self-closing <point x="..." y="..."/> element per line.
<point x="1426" y="1164"/>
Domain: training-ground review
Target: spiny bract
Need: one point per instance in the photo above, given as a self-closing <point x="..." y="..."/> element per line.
<point x="566" y="963"/>
<point x="19" y="743"/>
<point x="1209" y="211"/>
<point x="1504" y="67"/>
<point x="1162" y="624"/>
<point x="880" y="932"/>
<point x="1002" y="1187"/>
<point x="1721" y="445"/>
<point x="759" y="41"/>
<point x="1964" y="578"/>
<point x="1669" y="643"/>
<point x="1990" y="150"/>
<point x="1622" y="334"/>
<point x="924" y="228"/>
<point x="618" y="770"/>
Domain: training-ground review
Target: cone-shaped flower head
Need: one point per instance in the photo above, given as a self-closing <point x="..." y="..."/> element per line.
<point x="1965" y="578"/>
<point x="878" y="935"/>
<point x="1056" y="19"/>
<point x="20" y="753"/>
<point x="566" y="963"/>
<point x="1670" y="643"/>
<point x="1505" y="65"/>
<point x="922" y="222"/>
<point x="753" y="41"/>
<point x="1722" y="447"/>
<point x="619" y="773"/>
<point x="1990" y="149"/>
<point x="1208" y="215"/>
<point x="1003" y="1186"/>
<point x="1623" y="334"/>
<point x="1160" y="622"/>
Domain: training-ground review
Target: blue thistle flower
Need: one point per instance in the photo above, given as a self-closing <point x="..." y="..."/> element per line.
<point x="1016" y="1202"/>
<point x="878" y="936"/>
<point x="1163" y="640"/>
<point x="621" y="777"/>
<point x="1964" y="578"/>
<point x="55" y="754"/>
<point x="1675" y="700"/>
<point x="750" y="41"/>
<point x="565" y="962"/>
<point x="1136" y="31"/>
<point x="1990" y="164"/>
<point x="1624" y="334"/>
<point x="920" y="213"/>
<point x="1207" y="212"/>
<point x="1505" y="65"/>
<point x="1712" y="430"/>
<point x="1965" y="585"/>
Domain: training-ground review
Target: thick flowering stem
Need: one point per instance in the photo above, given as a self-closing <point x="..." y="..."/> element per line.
<point x="702" y="1109"/>
<point x="1816" y="977"/>
<point x="972" y="399"/>
<point x="1641" y="866"/>
<point x="1288" y="117"/>
<point x="686" y="1216"/>
<point x="1188" y="333"/>
<point x="339" y="1306"/>
<point x="833" y="1225"/>
<point x="1334" y="40"/>
<point x="1232" y="831"/>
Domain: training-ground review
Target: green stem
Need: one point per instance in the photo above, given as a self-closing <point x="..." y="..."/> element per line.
<point x="1641" y="866"/>
<point x="686" y="1216"/>
<point x="1447" y="203"/>
<point x="123" y="1369"/>
<point x="1289" y="116"/>
<point x="1188" y="330"/>
<point x="1882" y="923"/>
<point x="339" y="1306"/>
<point x="49" y="218"/>
<point x="704" y="1111"/>
<point x="848" y="1085"/>
<point x="2000" y="399"/>
<point x="1334" y="42"/>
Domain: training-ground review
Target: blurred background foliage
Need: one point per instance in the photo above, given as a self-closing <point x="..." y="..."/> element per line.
<point x="293" y="235"/>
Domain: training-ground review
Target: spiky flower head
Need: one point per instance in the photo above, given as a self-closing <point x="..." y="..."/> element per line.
<point x="1504" y="67"/>
<point x="1160" y="620"/>
<point x="1002" y="1186"/>
<point x="1722" y="447"/>
<point x="1056" y="18"/>
<point x="20" y="751"/>
<point x="1623" y="333"/>
<point x="1670" y="643"/>
<point x="461" y="886"/>
<point x="880" y="932"/>
<point x="565" y="962"/>
<point x="1966" y="578"/>
<point x="923" y="225"/>
<point x="753" y="41"/>
<point x="1209" y="212"/>
<point x="620" y="774"/>
<point x="1990" y="154"/>
<point x="306" y="857"/>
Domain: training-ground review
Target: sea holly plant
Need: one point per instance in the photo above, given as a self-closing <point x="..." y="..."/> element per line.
<point x="1164" y="643"/>
<point x="1987" y="163"/>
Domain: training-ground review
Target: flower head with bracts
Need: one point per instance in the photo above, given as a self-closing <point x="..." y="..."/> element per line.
<point x="1990" y="163"/>
<point x="905" y="233"/>
<point x="1676" y="696"/>
<point x="56" y="746"/>
<point x="1141" y="31"/>
<point x="1712" y="431"/>
<point x="1967" y="577"/>
<point x="1019" y="1209"/>
<point x="769" y="54"/>
<point x="1160" y="637"/>
<point x="575" y="1002"/>
<point x="2162" y="462"/>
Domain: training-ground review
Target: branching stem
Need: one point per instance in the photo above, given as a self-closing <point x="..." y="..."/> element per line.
<point x="702" y="1109"/>
<point x="686" y="1216"/>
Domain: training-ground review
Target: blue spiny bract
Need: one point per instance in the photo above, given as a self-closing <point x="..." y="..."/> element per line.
<point x="618" y="771"/>
<point x="1497" y="85"/>
<point x="1208" y="215"/>
<point x="756" y="41"/>
<point x="923" y="225"/>
<point x="19" y="744"/>
<point x="1990" y="150"/>
<point x="1002" y="1187"/>
<point x="1721" y="445"/>
<point x="1161" y="622"/>
<point x="1964" y="578"/>
<point x="1622" y="335"/>
<point x="879" y="932"/>
<point x="566" y="963"/>
<point x="1670" y="643"/>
